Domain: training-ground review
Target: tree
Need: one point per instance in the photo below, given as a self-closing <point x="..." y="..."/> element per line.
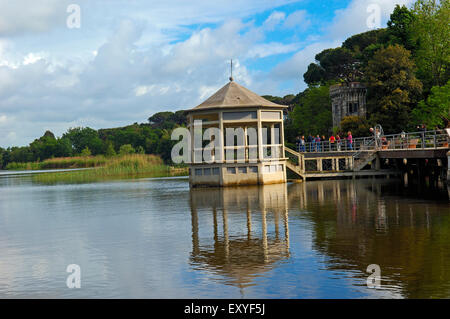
<point x="400" y="27"/>
<point x="179" y="117"/>
<point x="126" y="149"/>
<point x="435" y="111"/>
<point x="314" y="75"/>
<point x="140" y="150"/>
<point x="159" y="117"/>
<point x="358" y="125"/>
<point x="2" y="151"/>
<point x="82" y="137"/>
<point x="312" y="115"/>
<point x="359" y="42"/>
<point x="86" y="152"/>
<point x="392" y="88"/>
<point x="432" y="34"/>
<point x="110" y="150"/>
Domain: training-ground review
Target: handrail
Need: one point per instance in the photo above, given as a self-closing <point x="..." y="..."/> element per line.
<point x="289" y="150"/>
<point x="411" y="140"/>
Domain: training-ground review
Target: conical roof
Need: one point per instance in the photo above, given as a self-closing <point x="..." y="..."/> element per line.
<point x="233" y="95"/>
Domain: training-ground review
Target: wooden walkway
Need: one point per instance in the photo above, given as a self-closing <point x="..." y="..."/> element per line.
<point x="333" y="161"/>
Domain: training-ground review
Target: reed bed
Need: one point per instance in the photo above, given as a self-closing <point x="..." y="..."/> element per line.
<point x="120" y="167"/>
<point x="61" y="162"/>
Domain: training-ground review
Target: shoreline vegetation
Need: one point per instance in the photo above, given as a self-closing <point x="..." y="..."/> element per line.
<point x="101" y="168"/>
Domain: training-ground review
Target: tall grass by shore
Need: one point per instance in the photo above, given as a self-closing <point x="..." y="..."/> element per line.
<point x="61" y="162"/>
<point x="126" y="166"/>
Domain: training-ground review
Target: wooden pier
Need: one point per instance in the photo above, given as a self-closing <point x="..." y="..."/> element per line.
<point x="383" y="156"/>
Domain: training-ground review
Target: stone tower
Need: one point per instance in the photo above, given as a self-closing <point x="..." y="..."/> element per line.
<point x="347" y="99"/>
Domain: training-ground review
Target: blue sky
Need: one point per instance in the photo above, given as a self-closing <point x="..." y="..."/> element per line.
<point x="130" y="59"/>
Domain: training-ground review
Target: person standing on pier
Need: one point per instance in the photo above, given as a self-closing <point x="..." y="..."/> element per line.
<point x="302" y="144"/>
<point x="310" y="143"/>
<point x="331" y="140"/>
<point x="297" y="143"/>
<point x="350" y="141"/>
<point x="422" y="130"/>
<point x="318" y="149"/>
<point x="313" y="144"/>
<point x="338" y="142"/>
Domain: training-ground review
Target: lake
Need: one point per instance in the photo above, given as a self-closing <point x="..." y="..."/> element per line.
<point x="156" y="238"/>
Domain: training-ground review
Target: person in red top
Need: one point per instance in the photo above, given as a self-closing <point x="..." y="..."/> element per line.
<point x="331" y="140"/>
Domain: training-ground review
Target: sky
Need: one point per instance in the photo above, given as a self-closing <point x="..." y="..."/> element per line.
<point x="103" y="64"/>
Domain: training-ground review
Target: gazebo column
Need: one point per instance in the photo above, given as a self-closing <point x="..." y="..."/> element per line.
<point x="273" y="152"/>
<point x="260" y="139"/>
<point x="282" y="136"/>
<point x="222" y="140"/>
<point x="191" y="131"/>
<point x="222" y="147"/>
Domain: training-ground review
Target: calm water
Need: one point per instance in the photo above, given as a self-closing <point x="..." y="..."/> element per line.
<point x="156" y="238"/>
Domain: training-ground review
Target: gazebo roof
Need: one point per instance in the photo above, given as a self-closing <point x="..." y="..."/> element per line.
<point x="233" y="95"/>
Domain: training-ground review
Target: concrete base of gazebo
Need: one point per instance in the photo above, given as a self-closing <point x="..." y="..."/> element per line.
<point x="233" y="174"/>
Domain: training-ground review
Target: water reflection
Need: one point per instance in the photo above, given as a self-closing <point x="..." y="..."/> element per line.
<point x="156" y="238"/>
<point x="360" y="223"/>
<point x="239" y="255"/>
<point x="236" y="236"/>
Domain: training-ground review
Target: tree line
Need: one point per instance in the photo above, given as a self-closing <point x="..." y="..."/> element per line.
<point x="404" y="66"/>
<point x="149" y="138"/>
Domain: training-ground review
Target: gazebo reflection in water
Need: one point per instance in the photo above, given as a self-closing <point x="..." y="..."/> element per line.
<point x="246" y="239"/>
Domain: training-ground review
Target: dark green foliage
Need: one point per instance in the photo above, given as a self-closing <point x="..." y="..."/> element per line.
<point x="400" y="27"/>
<point x="359" y="126"/>
<point x="168" y="120"/>
<point x="435" y="110"/>
<point x="393" y="88"/>
<point x="314" y="75"/>
<point x="312" y="114"/>
<point x="431" y="33"/>
<point x="82" y="137"/>
<point x="286" y="100"/>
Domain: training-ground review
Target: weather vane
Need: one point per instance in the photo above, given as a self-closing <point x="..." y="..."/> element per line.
<point x="231" y="70"/>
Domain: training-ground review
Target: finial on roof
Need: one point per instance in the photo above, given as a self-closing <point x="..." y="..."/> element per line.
<point x="231" y="69"/>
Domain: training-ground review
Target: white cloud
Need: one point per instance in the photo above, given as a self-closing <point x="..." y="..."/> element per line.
<point x="3" y="119"/>
<point x="297" y="19"/>
<point x="272" y="48"/>
<point x="23" y="16"/>
<point x="122" y="83"/>
<point x="274" y="19"/>
<point x="31" y="58"/>
<point x="353" y="19"/>
<point x="294" y="67"/>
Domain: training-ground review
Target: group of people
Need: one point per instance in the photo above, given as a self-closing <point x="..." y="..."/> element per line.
<point x="322" y="144"/>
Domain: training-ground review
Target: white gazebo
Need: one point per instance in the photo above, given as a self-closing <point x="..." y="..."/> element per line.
<point x="248" y="143"/>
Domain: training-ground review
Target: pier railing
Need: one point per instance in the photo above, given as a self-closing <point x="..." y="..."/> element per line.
<point x="412" y="140"/>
